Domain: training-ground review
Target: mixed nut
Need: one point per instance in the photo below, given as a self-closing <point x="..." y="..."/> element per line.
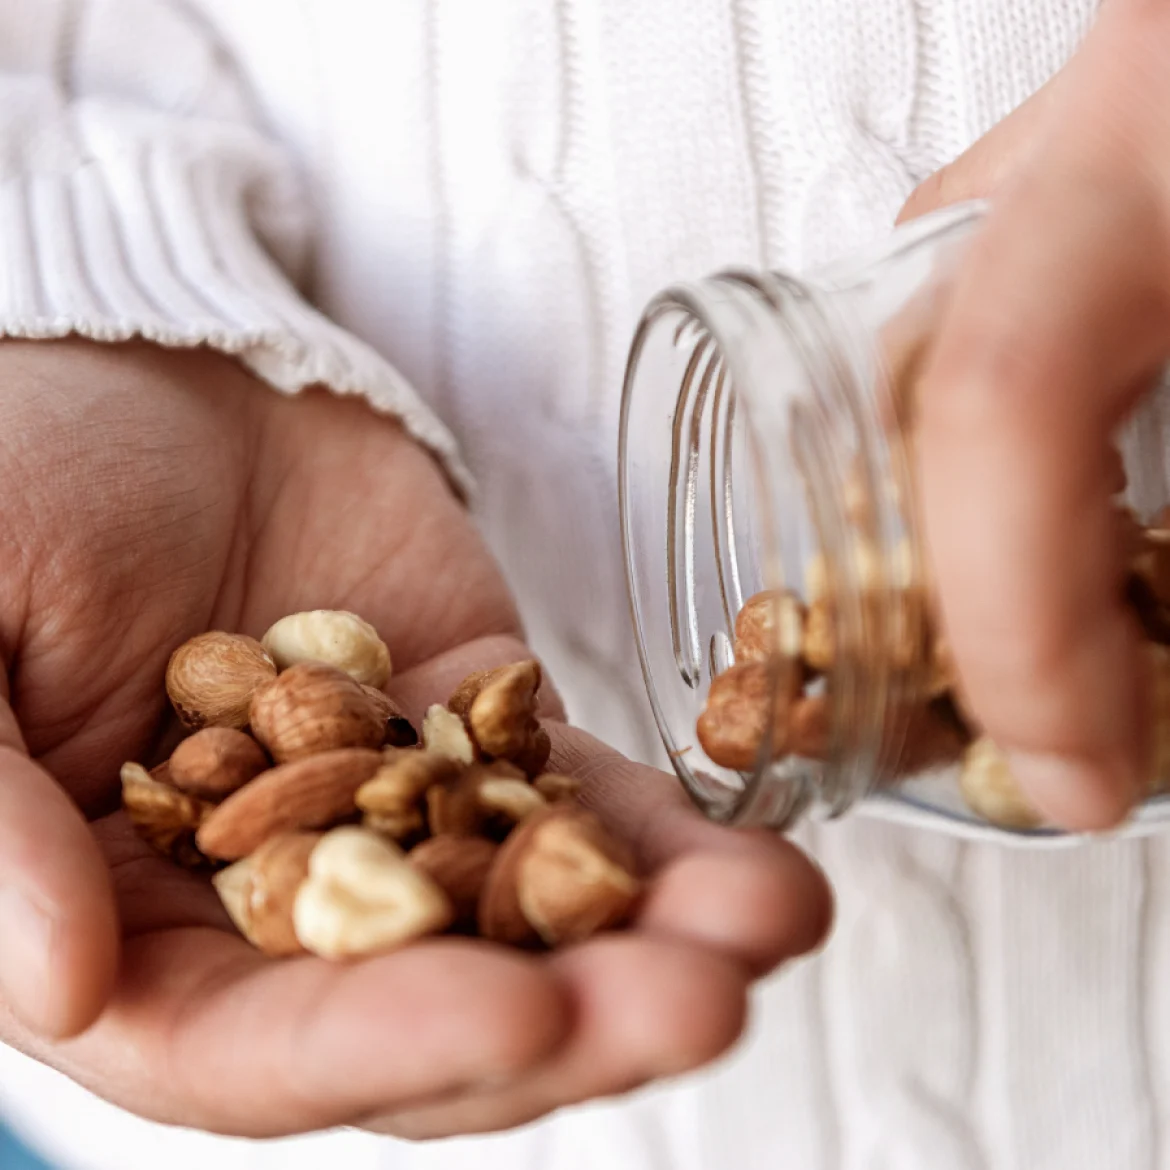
<point x="775" y="700"/>
<point x="332" y="826"/>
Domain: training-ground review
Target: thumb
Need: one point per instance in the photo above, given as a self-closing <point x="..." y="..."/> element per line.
<point x="981" y="170"/>
<point x="58" y="923"/>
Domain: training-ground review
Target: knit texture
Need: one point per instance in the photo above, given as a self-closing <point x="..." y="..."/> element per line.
<point x="492" y="191"/>
<point x="138" y="199"/>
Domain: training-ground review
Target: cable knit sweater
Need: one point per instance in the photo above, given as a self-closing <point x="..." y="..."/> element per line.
<point x="484" y="195"/>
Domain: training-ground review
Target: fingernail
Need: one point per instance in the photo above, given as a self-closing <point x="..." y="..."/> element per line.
<point x="26" y="947"/>
<point x="1074" y="794"/>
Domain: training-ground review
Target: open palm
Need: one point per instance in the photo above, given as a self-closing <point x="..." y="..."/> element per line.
<point x="151" y="495"/>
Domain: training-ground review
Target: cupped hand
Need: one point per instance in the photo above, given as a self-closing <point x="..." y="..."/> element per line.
<point x="1058" y="321"/>
<point x="150" y="495"/>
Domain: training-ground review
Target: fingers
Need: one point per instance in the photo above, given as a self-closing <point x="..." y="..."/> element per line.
<point x="760" y="904"/>
<point x="58" y="927"/>
<point x="257" y="1048"/>
<point x="1060" y="310"/>
<point x="643" y="1009"/>
<point x="980" y="171"/>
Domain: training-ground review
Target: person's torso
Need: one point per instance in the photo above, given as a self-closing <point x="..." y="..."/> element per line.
<point x="500" y="187"/>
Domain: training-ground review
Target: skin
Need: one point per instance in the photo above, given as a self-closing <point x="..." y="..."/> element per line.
<point x="1059" y="318"/>
<point x="150" y="495"/>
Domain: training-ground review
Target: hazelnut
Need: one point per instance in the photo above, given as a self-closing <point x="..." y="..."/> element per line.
<point x="333" y="636"/>
<point x="743" y="703"/>
<point x="362" y="896"/>
<point x="559" y="878"/>
<point x="991" y="791"/>
<point x="927" y="739"/>
<point x="809" y="727"/>
<point x="769" y="623"/>
<point x="820" y="635"/>
<point x="313" y="708"/>
<point x="216" y="761"/>
<point x="816" y="578"/>
<point x="211" y="679"/>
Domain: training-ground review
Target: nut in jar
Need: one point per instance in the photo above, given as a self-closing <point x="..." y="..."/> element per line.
<point x="785" y="614"/>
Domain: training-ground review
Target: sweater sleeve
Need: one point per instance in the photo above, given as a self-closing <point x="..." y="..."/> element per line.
<point x="139" y="198"/>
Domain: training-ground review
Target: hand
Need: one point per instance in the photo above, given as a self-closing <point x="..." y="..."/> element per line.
<point x="150" y="495"/>
<point x="1060" y="317"/>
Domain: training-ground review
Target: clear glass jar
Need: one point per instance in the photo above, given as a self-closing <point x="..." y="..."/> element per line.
<point x="764" y="443"/>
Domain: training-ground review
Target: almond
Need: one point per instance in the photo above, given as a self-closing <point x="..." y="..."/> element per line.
<point x="216" y="761"/>
<point x="314" y="708"/>
<point x="211" y="679"/>
<point x="311" y="793"/>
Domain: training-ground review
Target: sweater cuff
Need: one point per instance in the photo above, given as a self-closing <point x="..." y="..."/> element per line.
<point x="175" y="239"/>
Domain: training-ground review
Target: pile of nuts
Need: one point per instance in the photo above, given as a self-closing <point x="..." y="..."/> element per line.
<point x="332" y="826"/>
<point x="785" y="651"/>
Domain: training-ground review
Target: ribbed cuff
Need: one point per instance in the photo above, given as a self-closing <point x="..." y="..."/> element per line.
<point x="157" y="235"/>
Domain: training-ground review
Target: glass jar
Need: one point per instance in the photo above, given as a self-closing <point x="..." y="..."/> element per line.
<point x="765" y="440"/>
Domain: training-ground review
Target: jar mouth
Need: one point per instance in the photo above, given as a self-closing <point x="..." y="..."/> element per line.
<point x="733" y="439"/>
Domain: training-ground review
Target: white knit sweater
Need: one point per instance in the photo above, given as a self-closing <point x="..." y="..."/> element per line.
<point x="485" y="192"/>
